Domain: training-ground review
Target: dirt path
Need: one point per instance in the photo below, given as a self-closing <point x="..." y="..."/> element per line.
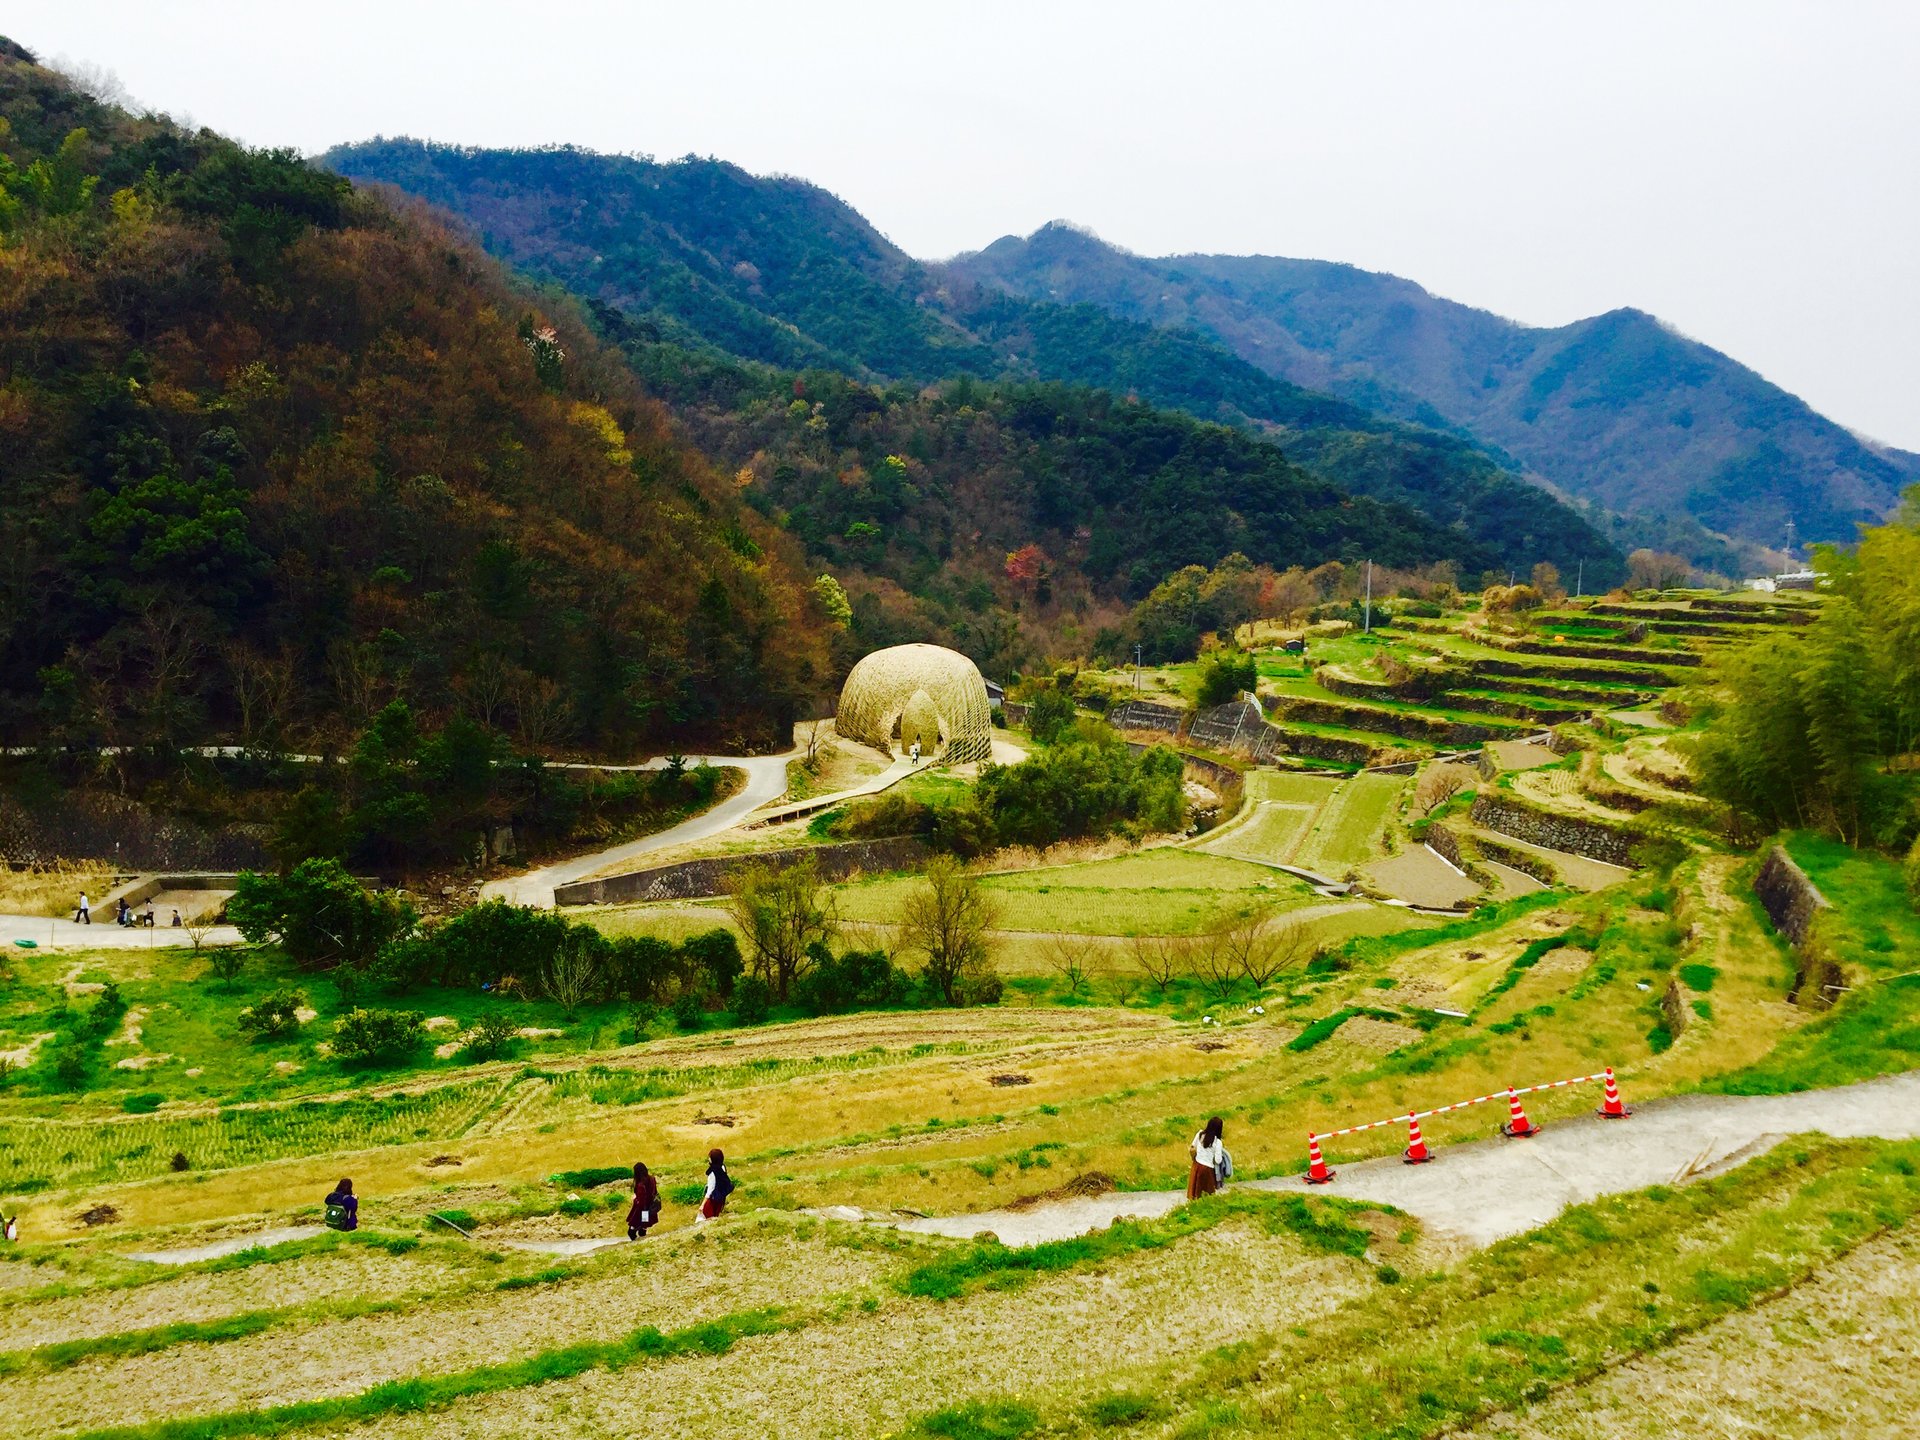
<point x="259" y="1239"/>
<point x="766" y="782"/>
<point x="1490" y="1189"/>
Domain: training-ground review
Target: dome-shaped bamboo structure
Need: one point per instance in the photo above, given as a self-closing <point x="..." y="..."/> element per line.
<point x="923" y="692"/>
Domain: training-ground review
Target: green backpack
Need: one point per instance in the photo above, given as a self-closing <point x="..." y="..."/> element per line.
<point x="336" y="1216"/>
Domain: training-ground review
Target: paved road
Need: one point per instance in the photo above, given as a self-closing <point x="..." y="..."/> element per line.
<point x="103" y="934"/>
<point x="1490" y="1189"/>
<point x="766" y="782"/>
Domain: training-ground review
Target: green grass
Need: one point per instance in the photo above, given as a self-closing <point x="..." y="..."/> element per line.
<point x="711" y="1337"/>
<point x="1348" y="831"/>
<point x="1163" y="891"/>
<point x="1875" y="932"/>
<point x="1319" y="1223"/>
<point x="1626" y="1275"/>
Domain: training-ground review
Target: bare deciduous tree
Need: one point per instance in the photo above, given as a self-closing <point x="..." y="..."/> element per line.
<point x="540" y="714"/>
<point x="1073" y="958"/>
<point x="1263" y="946"/>
<point x="1163" y="959"/>
<point x="483" y="688"/>
<point x="947" y="921"/>
<point x="1212" y="960"/>
<point x="1438" y="785"/>
<point x="573" y="976"/>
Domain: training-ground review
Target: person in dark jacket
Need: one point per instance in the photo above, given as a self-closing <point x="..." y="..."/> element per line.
<point x="645" y="1212"/>
<point x="719" y="1186"/>
<point x="343" y="1207"/>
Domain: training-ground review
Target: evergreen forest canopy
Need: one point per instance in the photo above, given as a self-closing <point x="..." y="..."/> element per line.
<point x="702" y="260"/>
<point x="277" y="455"/>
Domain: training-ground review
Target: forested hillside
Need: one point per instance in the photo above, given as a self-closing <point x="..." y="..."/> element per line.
<point x="1017" y="520"/>
<point x="276" y="454"/>
<point x="698" y="253"/>
<point x="1618" y="408"/>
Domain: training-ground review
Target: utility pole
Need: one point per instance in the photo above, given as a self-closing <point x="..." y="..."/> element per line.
<point x="1580" y="581"/>
<point x="1369" y="617"/>
<point x="1136" y="667"/>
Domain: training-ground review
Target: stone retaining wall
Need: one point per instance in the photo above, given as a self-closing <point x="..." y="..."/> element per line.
<point x="1574" y="834"/>
<point x="699" y="879"/>
<point x="88" y="825"/>
<point x="1600" y="652"/>
<point x="1146" y="715"/>
<point x="1791" y="900"/>
<point x="1403" y="724"/>
<point x="1602" y="674"/>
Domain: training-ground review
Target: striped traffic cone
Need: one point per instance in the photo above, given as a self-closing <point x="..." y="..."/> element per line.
<point x="1317" y="1171"/>
<point x="1518" y="1127"/>
<point x="1613" y="1109"/>
<point x="1417" y="1153"/>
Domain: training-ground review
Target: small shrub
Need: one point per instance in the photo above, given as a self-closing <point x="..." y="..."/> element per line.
<point x="1225" y="675"/>
<point x="590" y="1178"/>
<point x="982" y="1420"/>
<point x="492" y="1036"/>
<point x="641" y="1019"/>
<point x="144" y="1104"/>
<point x="275" y="1016"/>
<point x="70" y="1069"/>
<point x="366" y="1036"/>
<point x="752" y="1000"/>
<point x="1387" y="1275"/>
<point x="180" y="1162"/>
<point x="853" y="980"/>
<point x="1698" y="977"/>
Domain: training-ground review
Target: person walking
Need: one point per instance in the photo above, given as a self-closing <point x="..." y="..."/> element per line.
<point x="1209" y="1159"/>
<point x="343" y="1208"/>
<point x="719" y="1186"/>
<point x="83" y="915"/>
<point x="123" y="915"/>
<point x="645" y="1212"/>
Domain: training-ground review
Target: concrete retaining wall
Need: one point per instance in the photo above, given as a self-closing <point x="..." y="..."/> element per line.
<point x="699" y="879"/>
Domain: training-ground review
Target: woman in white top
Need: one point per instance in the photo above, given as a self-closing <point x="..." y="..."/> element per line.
<point x="1209" y="1158"/>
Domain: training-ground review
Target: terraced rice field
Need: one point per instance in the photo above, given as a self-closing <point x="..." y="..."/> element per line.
<point x="1348" y="830"/>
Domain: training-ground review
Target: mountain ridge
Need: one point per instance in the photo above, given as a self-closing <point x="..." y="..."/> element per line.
<point x="1621" y="408"/>
<point x="755" y="272"/>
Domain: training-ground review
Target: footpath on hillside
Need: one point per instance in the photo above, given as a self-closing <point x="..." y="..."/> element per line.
<point x="1486" y="1190"/>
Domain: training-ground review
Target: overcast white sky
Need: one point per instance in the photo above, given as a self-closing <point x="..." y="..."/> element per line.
<point x="1749" y="171"/>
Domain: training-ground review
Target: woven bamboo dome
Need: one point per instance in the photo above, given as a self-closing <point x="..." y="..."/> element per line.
<point x="918" y="692"/>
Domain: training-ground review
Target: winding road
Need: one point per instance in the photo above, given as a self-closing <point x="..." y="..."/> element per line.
<point x="766" y="782"/>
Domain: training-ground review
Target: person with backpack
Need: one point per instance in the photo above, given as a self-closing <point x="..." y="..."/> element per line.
<point x="719" y="1186"/>
<point x="645" y="1212"/>
<point x="1209" y="1161"/>
<point x="343" y="1207"/>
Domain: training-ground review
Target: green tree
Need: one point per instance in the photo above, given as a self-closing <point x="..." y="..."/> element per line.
<point x="1050" y="715"/>
<point x="782" y="912"/>
<point x="318" y="914"/>
<point x="947" y="919"/>
<point x="1224" y="675"/>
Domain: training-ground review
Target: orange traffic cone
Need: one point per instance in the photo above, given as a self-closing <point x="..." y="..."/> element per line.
<point x="1613" y="1109"/>
<point x="1518" y="1127"/>
<point x="1317" y="1171"/>
<point x="1417" y="1153"/>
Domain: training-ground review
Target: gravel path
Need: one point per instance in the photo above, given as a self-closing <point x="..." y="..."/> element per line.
<point x="1486" y="1190"/>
